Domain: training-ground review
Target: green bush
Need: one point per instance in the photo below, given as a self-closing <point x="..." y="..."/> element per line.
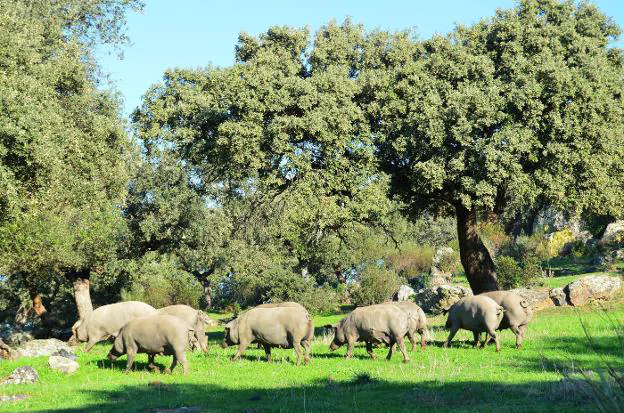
<point x="376" y="285"/>
<point x="513" y="275"/>
<point x="286" y="285"/>
<point x="157" y="280"/>
<point x="509" y="272"/>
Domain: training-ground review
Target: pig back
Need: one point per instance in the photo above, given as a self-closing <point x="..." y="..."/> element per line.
<point x="157" y="333"/>
<point x="517" y="309"/>
<point x="273" y="325"/>
<point x="372" y="321"/>
<point x="185" y="312"/>
<point x="109" y="319"/>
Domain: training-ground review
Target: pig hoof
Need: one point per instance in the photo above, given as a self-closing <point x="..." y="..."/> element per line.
<point x="406" y="361"/>
<point x="167" y="371"/>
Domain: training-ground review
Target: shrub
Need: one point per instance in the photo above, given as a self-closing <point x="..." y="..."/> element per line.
<point x="412" y="261"/>
<point x="512" y="275"/>
<point x="508" y="271"/>
<point x="376" y="285"/>
<point x="157" y="280"/>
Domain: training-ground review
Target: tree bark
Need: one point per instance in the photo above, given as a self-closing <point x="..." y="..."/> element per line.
<point x="475" y="257"/>
<point x="82" y="296"/>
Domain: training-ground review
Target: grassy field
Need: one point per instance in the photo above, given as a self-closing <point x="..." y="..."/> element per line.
<point x="459" y="378"/>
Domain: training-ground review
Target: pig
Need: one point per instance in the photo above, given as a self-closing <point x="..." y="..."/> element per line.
<point x="161" y="334"/>
<point x="373" y="324"/>
<point x="286" y="327"/>
<point x="475" y="313"/>
<point x="518" y="312"/>
<point x="106" y="321"/>
<point x="195" y="318"/>
<point x="284" y="304"/>
<point x="417" y="321"/>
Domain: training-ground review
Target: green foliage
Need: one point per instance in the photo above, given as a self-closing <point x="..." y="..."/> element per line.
<point x="375" y="286"/>
<point x="509" y="272"/>
<point x="63" y="148"/>
<point x="512" y="275"/>
<point x="411" y="260"/>
<point x="159" y="281"/>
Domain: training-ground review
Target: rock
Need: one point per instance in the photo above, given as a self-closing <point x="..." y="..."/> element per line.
<point x="440" y="297"/>
<point x="537" y="299"/>
<point x="618" y="254"/>
<point x="592" y="287"/>
<point x="22" y="375"/>
<point x="558" y="296"/>
<point x="405" y="293"/>
<point x="6" y="352"/>
<point x="43" y="347"/>
<point x="64" y="353"/>
<point x="613" y="232"/>
<point x="19" y="337"/>
<point x="13" y="398"/>
<point x="63" y="364"/>
<point x="602" y="259"/>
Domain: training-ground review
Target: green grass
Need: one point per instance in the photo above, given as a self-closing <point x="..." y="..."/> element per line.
<point x="459" y="378"/>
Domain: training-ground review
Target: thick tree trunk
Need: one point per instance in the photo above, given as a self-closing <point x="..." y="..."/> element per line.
<point x="475" y="257"/>
<point x="82" y="296"/>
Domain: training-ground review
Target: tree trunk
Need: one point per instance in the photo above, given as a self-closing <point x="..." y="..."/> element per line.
<point x="207" y="292"/>
<point x="82" y="296"/>
<point x="475" y="257"/>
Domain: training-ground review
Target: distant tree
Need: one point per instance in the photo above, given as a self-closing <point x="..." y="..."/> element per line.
<point x="63" y="147"/>
<point x="519" y="110"/>
<point x="278" y="133"/>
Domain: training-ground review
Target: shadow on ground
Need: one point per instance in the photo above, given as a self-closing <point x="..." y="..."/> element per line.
<point x="362" y="393"/>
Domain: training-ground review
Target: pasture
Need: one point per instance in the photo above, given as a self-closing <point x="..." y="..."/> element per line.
<point x="459" y="378"/>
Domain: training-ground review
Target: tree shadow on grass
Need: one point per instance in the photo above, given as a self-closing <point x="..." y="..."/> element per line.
<point x="362" y="393"/>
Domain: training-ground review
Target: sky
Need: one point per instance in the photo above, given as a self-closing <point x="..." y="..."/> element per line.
<point x="196" y="33"/>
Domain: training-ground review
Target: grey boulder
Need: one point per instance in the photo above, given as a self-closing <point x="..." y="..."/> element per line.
<point x="44" y="347"/>
<point x="436" y="299"/>
<point x="22" y="375"/>
<point x="592" y="287"/>
<point x="63" y="364"/>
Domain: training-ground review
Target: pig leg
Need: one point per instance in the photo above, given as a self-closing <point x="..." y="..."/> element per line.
<point x="518" y="334"/>
<point x="496" y="338"/>
<point x="410" y="336"/>
<point x="350" y="345"/>
<point x="454" y="330"/>
<point x="390" y="349"/>
<point x="90" y="345"/>
<point x="477" y="339"/>
<point x="267" y="351"/>
<point x="131" y="353"/>
<point x="179" y="356"/>
<point x="151" y="364"/>
<point x="369" y="349"/>
<point x="297" y="347"/>
<point x="242" y="346"/>
<point x="401" y="344"/>
<point x="306" y="354"/>
<point x="423" y="342"/>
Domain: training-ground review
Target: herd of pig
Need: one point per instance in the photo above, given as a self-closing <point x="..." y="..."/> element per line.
<point x="139" y="328"/>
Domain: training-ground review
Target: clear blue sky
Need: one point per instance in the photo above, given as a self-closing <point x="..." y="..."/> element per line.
<point x="194" y="33"/>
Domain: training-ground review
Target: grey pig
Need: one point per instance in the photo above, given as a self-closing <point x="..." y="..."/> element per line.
<point x="518" y="312"/>
<point x="107" y="320"/>
<point x="157" y="334"/>
<point x="476" y="313"/>
<point x="286" y="327"/>
<point x="417" y="321"/>
<point x="373" y="324"/>
<point x="195" y="318"/>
